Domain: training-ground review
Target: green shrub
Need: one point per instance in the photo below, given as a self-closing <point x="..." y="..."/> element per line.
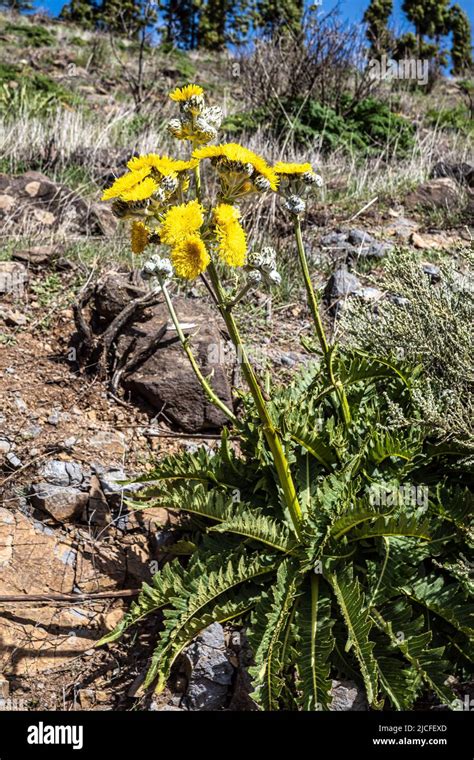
<point x="430" y="323"/>
<point x="33" y="36"/>
<point x="368" y="126"/>
<point x="34" y="94"/>
<point x="451" y="118"/>
<point x="8" y="73"/>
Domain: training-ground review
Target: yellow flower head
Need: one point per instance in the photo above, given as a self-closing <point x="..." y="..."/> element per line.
<point x="232" y="242"/>
<point x="241" y="159"/>
<point x="181" y="221"/>
<point x="181" y="94"/>
<point x="161" y="164"/>
<point x="139" y="237"/>
<point x="225" y="214"/>
<point x="291" y="169"/>
<point x="190" y="257"/>
<point x="133" y="186"/>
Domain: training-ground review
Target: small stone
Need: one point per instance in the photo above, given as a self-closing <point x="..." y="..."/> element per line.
<point x="287" y="360"/>
<point x="5" y="445"/>
<point x="20" y="404"/>
<point x="61" y="502"/>
<point x="211" y="672"/>
<point x="110" y="442"/>
<point x="13" y="460"/>
<point x="334" y="239"/>
<point x="346" y="696"/>
<point x="12" y="318"/>
<point x="433" y="272"/>
<point x="369" y="294"/>
<point x="64" y="473"/>
<point x="86" y="698"/>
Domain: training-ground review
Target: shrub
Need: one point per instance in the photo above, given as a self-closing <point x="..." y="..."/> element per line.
<point x="33" y="36"/>
<point x="457" y="118"/>
<point x="367" y="126"/>
<point x="428" y="323"/>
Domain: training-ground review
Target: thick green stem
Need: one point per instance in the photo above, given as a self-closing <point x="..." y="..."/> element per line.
<point x="323" y="342"/>
<point x="211" y="395"/>
<point x="270" y="432"/>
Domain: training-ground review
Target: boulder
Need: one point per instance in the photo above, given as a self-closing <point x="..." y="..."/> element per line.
<point x="462" y="173"/>
<point x="31" y="202"/>
<point x="442" y="193"/>
<point x="166" y="380"/>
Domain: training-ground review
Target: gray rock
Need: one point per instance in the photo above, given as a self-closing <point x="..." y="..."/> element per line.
<point x="113" y="490"/>
<point x="379" y="250"/>
<point x="64" y="473"/>
<point x="359" y="237"/>
<point x="287" y="360"/>
<point x="334" y="239"/>
<point x="13" y="460"/>
<point x="341" y="284"/>
<point x="432" y="271"/>
<point x="211" y="672"/>
<point x="346" y="696"/>
<point x="369" y="294"/>
<point x="13" y="277"/>
<point x="61" y="502"/>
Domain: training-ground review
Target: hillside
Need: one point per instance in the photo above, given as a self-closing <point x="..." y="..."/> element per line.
<point x="96" y="390"/>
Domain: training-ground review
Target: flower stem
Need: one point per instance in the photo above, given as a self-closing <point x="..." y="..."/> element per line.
<point x="323" y="342"/>
<point x="210" y="393"/>
<point x="271" y="434"/>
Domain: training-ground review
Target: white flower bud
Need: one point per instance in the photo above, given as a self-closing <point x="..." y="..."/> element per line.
<point x="311" y="178"/>
<point x="213" y="115"/>
<point x="267" y="258"/>
<point x="295" y="204"/>
<point x="156" y="265"/>
<point x="255" y="277"/>
<point x="262" y="183"/>
<point x="175" y="127"/>
<point x="169" y="183"/>
<point x="274" y="277"/>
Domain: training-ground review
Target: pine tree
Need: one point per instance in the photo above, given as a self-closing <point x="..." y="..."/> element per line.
<point x="82" y="12"/>
<point x="461" y="49"/>
<point x="222" y="22"/>
<point x="181" y="23"/>
<point x="376" y="17"/>
<point x="429" y="17"/>
<point x="120" y="16"/>
<point x="17" y="6"/>
<point x="275" y="16"/>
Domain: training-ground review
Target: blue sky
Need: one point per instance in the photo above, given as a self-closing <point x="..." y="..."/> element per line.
<point x="353" y="10"/>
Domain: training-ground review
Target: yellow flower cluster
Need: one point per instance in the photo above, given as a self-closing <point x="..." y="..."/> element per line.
<point x="183" y="94"/>
<point x="180" y="230"/>
<point x="154" y="191"/>
<point x="231" y="238"/>
<point x="131" y="187"/>
<point x="241" y="170"/>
